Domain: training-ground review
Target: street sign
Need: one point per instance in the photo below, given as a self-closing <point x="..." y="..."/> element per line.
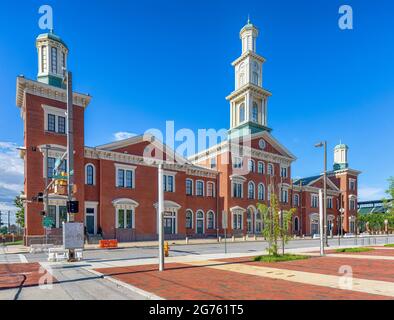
<point x="73" y="235"/>
<point x="224" y="220"/>
<point x="47" y="222"/>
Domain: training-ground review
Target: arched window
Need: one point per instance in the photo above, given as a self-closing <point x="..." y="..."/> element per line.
<point x="249" y="219"/>
<point x="261" y="192"/>
<point x="255" y="112"/>
<point x="200" y="222"/>
<point x="189" y="219"/>
<point x="251" y="166"/>
<point x="255" y="78"/>
<point x="296" y="224"/>
<point x="261" y="167"/>
<point x="259" y="223"/>
<point x="271" y="169"/>
<point x="90" y="175"/>
<point x="242" y="113"/>
<point x="296" y="200"/>
<point x="241" y="72"/>
<point x="211" y="220"/>
<point x="251" y="190"/>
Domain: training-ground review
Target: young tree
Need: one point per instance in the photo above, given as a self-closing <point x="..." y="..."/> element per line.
<point x="390" y="193"/>
<point x="276" y="224"/>
<point x="20" y="214"/>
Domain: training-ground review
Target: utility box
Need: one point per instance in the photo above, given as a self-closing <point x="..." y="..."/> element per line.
<point x="73" y="235"/>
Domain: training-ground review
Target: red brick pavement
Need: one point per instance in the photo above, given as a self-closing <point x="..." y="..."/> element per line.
<point x="183" y="282"/>
<point x="22" y="274"/>
<point x="382" y="270"/>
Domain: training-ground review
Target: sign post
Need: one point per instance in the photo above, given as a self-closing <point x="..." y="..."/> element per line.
<point x="225" y="226"/>
<point x="160" y="212"/>
<point x="321" y="221"/>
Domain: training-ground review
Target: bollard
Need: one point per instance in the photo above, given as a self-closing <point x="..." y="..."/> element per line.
<point x="244" y="238"/>
<point x="255" y="238"/>
<point x="166" y="250"/>
<point x="220" y="239"/>
<point x="187" y="240"/>
<point x="233" y="239"/>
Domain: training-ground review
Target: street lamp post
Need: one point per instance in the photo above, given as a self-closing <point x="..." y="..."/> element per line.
<point x="324" y="145"/>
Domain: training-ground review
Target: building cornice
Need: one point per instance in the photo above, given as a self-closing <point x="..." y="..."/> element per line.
<point x="25" y="86"/>
<point x="189" y="169"/>
<point x="258" y="91"/>
<point x="247" y="54"/>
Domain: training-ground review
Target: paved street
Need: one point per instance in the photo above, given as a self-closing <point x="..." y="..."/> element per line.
<point x="130" y="273"/>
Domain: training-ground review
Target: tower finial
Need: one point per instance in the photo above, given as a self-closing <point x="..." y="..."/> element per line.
<point x="248" y="18"/>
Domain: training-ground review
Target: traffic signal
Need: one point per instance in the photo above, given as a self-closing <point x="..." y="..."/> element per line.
<point x="72" y="206"/>
<point x="43" y="213"/>
<point x="40" y="197"/>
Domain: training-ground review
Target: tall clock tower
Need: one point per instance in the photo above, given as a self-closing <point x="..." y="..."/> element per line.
<point x="249" y="101"/>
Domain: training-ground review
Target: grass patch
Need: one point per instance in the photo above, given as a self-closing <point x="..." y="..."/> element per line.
<point x="389" y="245"/>
<point x="281" y="258"/>
<point x="354" y="250"/>
<point x="16" y="243"/>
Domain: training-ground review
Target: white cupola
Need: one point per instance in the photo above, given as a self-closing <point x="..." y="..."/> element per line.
<point x="52" y="59"/>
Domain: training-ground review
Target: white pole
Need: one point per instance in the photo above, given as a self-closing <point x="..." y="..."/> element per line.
<point x="160" y="218"/>
<point x="321" y="221"/>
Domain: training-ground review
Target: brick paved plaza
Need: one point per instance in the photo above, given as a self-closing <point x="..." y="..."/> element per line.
<point x="317" y="278"/>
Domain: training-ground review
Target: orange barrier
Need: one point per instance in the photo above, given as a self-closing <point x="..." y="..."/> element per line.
<point x="105" y="244"/>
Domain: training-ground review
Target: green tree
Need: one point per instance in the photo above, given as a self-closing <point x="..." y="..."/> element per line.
<point x="390" y="193"/>
<point x="20" y="214"/>
<point x="276" y="224"/>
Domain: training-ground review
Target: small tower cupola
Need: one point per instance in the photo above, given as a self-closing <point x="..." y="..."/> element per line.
<point x="340" y="157"/>
<point x="248" y="36"/>
<point x="52" y="59"/>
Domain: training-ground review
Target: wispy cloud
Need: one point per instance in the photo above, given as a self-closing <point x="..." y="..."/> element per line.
<point x="123" y="135"/>
<point x="370" y="193"/>
<point x="11" y="175"/>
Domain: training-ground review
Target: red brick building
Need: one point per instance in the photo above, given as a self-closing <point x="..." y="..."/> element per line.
<point x="116" y="183"/>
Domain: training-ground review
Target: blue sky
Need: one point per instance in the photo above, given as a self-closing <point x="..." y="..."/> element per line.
<point x="146" y="62"/>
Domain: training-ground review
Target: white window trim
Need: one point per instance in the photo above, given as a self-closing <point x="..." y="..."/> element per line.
<point x="258" y="167"/>
<point x="92" y="205"/>
<point x="351" y="180"/>
<point x="125" y="204"/>
<point x="203" y="188"/>
<point x="213" y="189"/>
<point x="57" y="112"/>
<point x="258" y="191"/>
<point x="173" y="175"/>
<point x="237" y="213"/>
<point x="297" y="196"/>
<point x="192" y="226"/>
<point x="254" y="190"/>
<point x="313" y="196"/>
<point x="232" y="189"/>
<point x="56" y="152"/>
<point x="86" y="174"/>
<point x="273" y="169"/>
<point x="192" y="183"/>
<point x="199" y="219"/>
<point x="287" y="171"/>
<point x="214" y="219"/>
<point x="251" y="161"/>
<point x="126" y="168"/>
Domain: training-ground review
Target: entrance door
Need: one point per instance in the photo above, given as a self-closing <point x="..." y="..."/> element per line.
<point x="200" y="223"/>
<point x="90" y="221"/>
<point x="314" y="228"/>
<point x="169" y="223"/>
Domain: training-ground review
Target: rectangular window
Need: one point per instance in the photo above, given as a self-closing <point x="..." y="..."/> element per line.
<point x="121" y="222"/>
<point x="270" y="169"/>
<point x="170" y="182"/>
<point x="62" y="215"/>
<point x="64" y="60"/>
<point x="283" y="172"/>
<point x="189" y="187"/>
<point x="237" y="190"/>
<point x="200" y="189"/>
<point x="296" y="200"/>
<point x="210" y="189"/>
<point x="315" y="201"/>
<point x="237" y="163"/>
<point x="61" y="125"/>
<point x="329" y="203"/>
<point x="54" y="59"/>
<point x="352" y="204"/>
<point x="52" y="214"/>
<point x="129" y="179"/>
<point x="352" y="184"/>
<point x="285" y="196"/>
<point x="50" y="167"/>
<point x="213" y="163"/>
<point x="120" y="178"/>
<point x="44" y="59"/>
<point x="129" y="219"/>
<point x="51" y="123"/>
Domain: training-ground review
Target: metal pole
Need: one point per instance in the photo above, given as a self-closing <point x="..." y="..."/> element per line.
<point x="70" y="142"/>
<point x="325" y="193"/>
<point x="160" y="217"/>
<point x="225" y="240"/>
<point x="321" y="216"/>
<point x="9" y="222"/>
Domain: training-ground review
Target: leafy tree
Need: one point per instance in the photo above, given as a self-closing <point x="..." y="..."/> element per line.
<point x="3" y="230"/>
<point x="390" y="193"/>
<point x="20" y="214"/>
<point x="274" y="228"/>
